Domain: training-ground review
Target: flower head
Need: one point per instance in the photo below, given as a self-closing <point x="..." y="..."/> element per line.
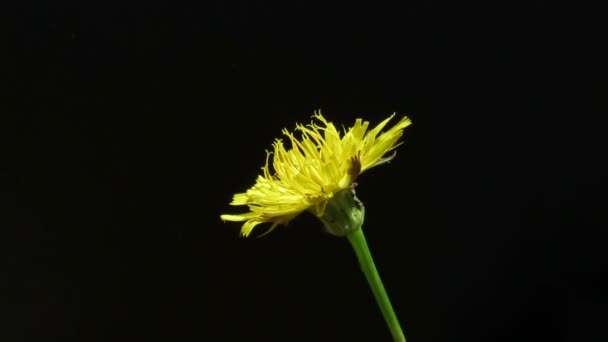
<point x="313" y="169"/>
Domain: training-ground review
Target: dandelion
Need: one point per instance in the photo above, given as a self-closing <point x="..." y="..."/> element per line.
<point x="313" y="170"/>
<point x="317" y="173"/>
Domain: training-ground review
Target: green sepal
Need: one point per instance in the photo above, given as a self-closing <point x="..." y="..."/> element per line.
<point x="343" y="213"/>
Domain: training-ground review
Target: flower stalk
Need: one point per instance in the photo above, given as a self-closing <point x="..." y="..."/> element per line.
<point x="357" y="241"/>
<point x="343" y="215"/>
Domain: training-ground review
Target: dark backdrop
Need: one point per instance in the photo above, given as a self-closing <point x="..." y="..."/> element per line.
<point x="127" y="128"/>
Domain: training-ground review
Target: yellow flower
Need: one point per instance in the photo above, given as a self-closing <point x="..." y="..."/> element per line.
<point x="316" y="166"/>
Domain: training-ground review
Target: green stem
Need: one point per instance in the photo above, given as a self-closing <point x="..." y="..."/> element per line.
<point x="357" y="240"/>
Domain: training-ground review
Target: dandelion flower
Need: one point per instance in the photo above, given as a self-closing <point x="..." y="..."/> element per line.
<point x="317" y="174"/>
<point x="316" y="166"/>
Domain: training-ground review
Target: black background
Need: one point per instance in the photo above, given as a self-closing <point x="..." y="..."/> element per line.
<point x="127" y="128"/>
